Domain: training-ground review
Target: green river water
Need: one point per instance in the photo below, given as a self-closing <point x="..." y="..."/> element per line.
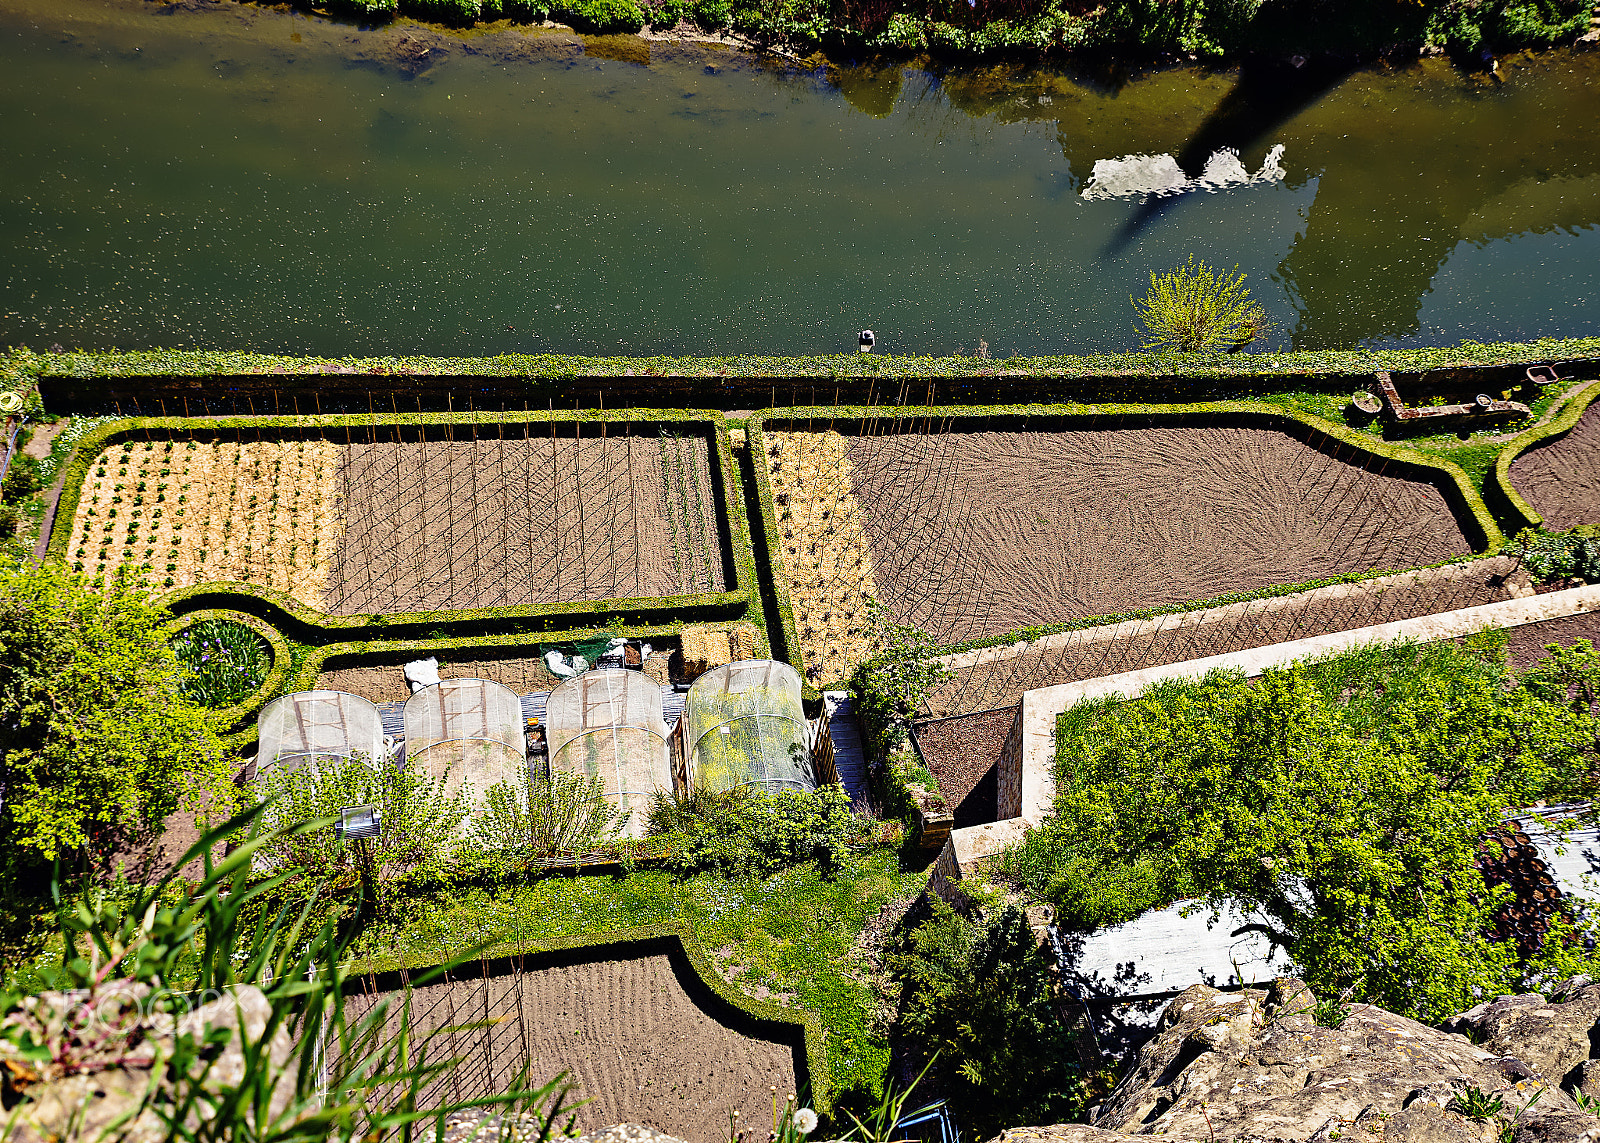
<point x="214" y="175"/>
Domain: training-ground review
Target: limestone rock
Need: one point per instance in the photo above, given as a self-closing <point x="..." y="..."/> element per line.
<point x="1255" y="1066"/>
<point x="119" y="1052"/>
<point x="1552" y="1039"/>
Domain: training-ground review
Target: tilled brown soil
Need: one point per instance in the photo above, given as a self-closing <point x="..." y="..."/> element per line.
<point x="387" y="683"/>
<point x="1562" y="479"/>
<point x="636" y="1038"/>
<point x="981" y="533"/>
<point x="1526" y="645"/>
<point x="1263" y="623"/>
<point x="962" y="753"/>
<point x="473" y="523"/>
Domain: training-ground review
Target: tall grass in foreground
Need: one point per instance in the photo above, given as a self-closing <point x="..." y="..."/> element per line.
<point x="346" y="1078"/>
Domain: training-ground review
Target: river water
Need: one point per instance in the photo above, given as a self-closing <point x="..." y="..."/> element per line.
<point x="215" y="175"/>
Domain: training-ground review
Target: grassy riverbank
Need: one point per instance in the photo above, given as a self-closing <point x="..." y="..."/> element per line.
<point x="1132" y="29"/>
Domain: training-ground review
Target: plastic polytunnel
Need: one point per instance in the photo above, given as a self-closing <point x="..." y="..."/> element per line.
<point x="746" y="727"/>
<point x="608" y="724"/>
<point x="301" y="729"/>
<point x="467" y="732"/>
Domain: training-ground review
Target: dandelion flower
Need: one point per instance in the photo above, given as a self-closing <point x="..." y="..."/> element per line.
<point x="805" y="1121"/>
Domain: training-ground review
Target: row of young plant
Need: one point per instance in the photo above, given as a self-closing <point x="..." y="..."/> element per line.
<point x="1140" y="27"/>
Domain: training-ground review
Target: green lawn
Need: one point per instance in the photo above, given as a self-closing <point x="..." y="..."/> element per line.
<point x="791" y="937"/>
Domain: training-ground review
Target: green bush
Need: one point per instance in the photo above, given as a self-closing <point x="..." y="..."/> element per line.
<point x="979" y="996"/>
<point x="97" y="742"/>
<point x="1342" y="802"/>
<point x="22" y="478"/>
<point x="1554" y="556"/>
<point x="458" y="13"/>
<point x="749" y="831"/>
<point x="420" y="819"/>
<point x="528" y="11"/>
<point x="365" y="9"/>
<point x="1195" y="307"/>
<point x="568" y="813"/>
<point x="601" y="17"/>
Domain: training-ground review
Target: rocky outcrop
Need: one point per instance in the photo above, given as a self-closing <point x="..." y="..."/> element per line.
<point x="108" y="1054"/>
<point x="1257" y="1065"/>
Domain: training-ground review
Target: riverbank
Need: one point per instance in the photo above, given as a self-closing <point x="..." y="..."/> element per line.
<point x="1125" y="31"/>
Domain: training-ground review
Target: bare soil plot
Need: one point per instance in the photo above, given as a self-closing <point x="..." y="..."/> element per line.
<point x="1526" y="645"/>
<point x="179" y="513"/>
<point x="980" y="533"/>
<point x="387" y="683"/>
<point x="1562" y="479"/>
<point x="1261" y="624"/>
<point x="640" y="1036"/>
<point x="476" y="523"/>
<point x="962" y="754"/>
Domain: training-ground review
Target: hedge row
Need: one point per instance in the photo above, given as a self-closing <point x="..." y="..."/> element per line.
<point x="1456" y="485"/>
<point x="1557" y="426"/>
<point x="22" y="364"/>
<point x="312" y="626"/>
<point x="644" y="940"/>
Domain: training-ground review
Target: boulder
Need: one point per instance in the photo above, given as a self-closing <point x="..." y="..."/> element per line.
<point x="1554" y="1039"/>
<point x="1255" y="1065"/>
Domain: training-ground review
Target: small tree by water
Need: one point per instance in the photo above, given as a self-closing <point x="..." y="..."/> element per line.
<point x="1195" y="307"/>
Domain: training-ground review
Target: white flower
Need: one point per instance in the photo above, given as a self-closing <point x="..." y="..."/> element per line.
<point x="805" y="1121"/>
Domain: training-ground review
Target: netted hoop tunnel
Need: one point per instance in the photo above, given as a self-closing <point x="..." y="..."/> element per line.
<point x="608" y="724"/>
<point x="747" y="727"/>
<point x="468" y="733"/>
<point x="299" y="730"/>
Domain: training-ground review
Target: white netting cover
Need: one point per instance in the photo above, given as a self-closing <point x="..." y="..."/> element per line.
<point x="468" y="731"/>
<point x="746" y="727"/>
<point x="609" y="723"/>
<point x="299" y="729"/>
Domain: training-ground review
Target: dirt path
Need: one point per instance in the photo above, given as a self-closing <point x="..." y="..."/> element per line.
<point x="1562" y="479"/>
<point x="981" y="533"/>
<point x="1082" y="656"/>
<point x="637" y="1036"/>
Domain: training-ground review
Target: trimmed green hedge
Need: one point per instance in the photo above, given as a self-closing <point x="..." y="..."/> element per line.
<point x="1559" y="425"/>
<point x="647" y="940"/>
<point x="313" y="626"/>
<point x="1198" y="366"/>
<point x="1436" y="471"/>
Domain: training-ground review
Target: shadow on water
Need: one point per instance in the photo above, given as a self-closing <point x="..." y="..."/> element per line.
<point x="1268" y="94"/>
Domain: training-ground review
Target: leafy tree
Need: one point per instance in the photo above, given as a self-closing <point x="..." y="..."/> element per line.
<point x="1195" y="307"/>
<point x="1344" y="806"/>
<point x="566" y="813"/>
<point x="97" y="744"/>
<point x="980" y="993"/>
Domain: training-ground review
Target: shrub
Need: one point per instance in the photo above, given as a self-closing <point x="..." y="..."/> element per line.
<point x="97" y="742"/>
<point x="459" y="13"/>
<point x="601" y="17"/>
<point x="894" y="685"/>
<point x="568" y="813"/>
<point x="750" y="831"/>
<point x="980" y="994"/>
<point x="225" y="661"/>
<point x="10" y="517"/>
<point x="1343" y="803"/>
<point x="1553" y="556"/>
<point x="419" y="818"/>
<point x="22" y="478"/>
<point x="365" y="9"/>
<point x="1195" y="307"/>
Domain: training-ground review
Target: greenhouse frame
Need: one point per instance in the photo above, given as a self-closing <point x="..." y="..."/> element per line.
<point x="468" y="732"/>
<point x="746" y="726"/>
<point x="297" y="730"/>
<point x="608" y="724"/>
